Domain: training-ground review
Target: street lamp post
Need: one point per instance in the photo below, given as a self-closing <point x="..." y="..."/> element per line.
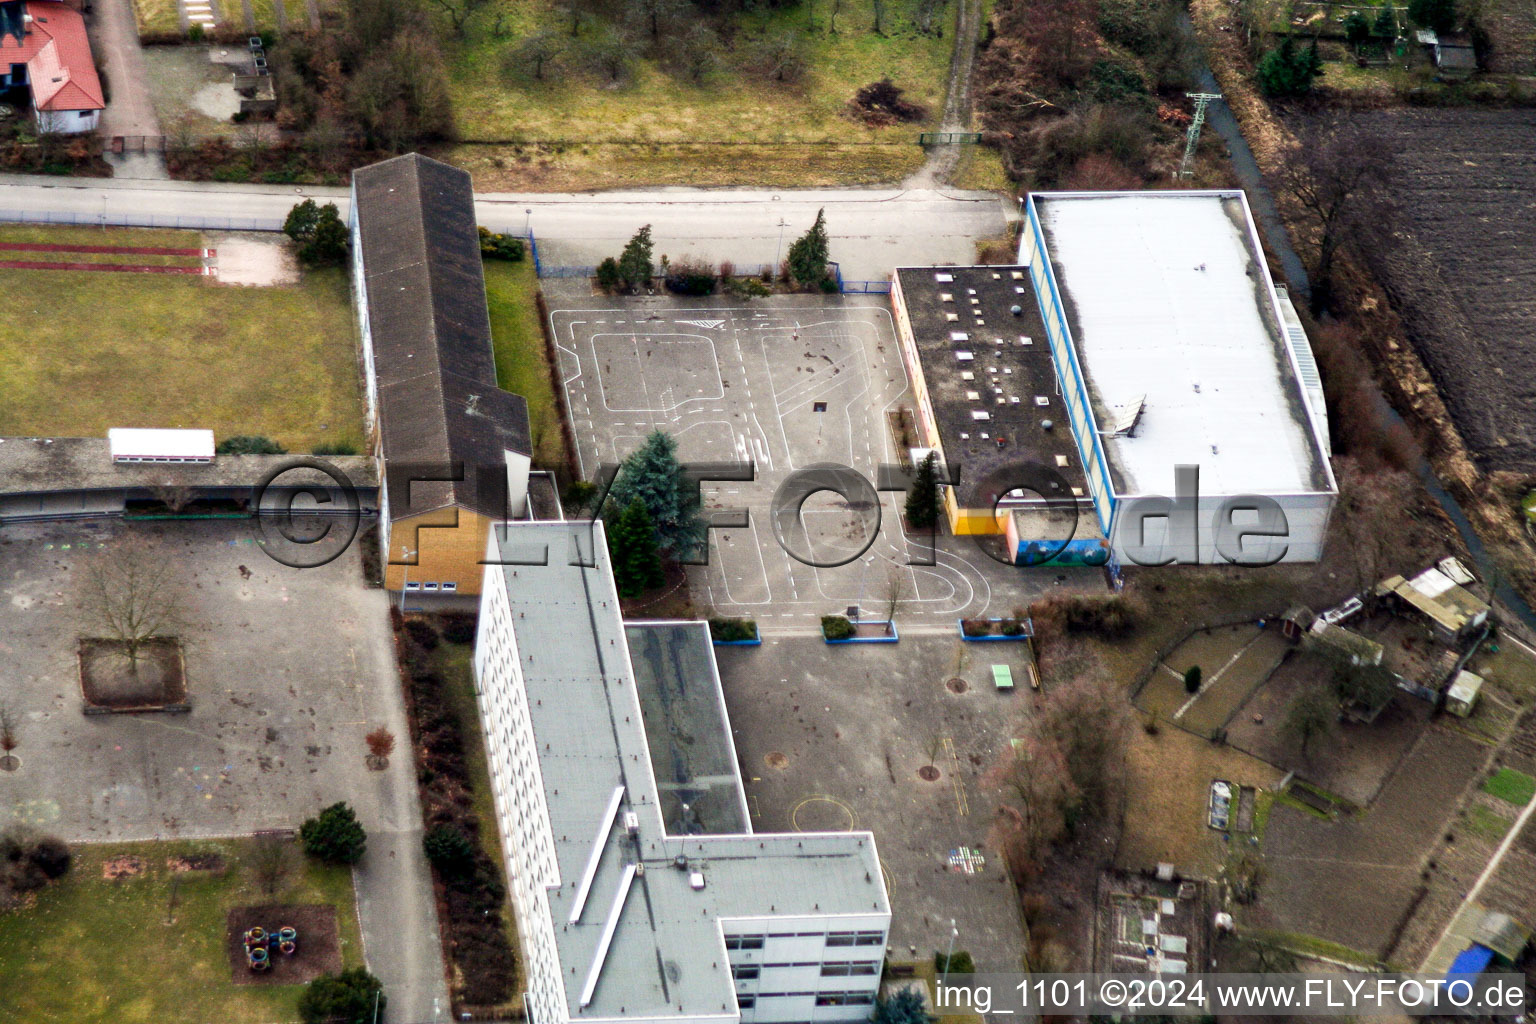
<point x="863" y="571"/>
<point x="779" y="252"/>
<point x="953" y="931"/>
<point x="405" y="582"/>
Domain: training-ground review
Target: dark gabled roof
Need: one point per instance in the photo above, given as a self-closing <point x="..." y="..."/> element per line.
<point x="438" y="403"/>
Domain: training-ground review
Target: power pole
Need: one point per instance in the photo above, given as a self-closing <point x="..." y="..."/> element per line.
<point x="1202" y="100"/>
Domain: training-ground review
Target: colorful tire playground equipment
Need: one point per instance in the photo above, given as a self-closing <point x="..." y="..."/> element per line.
<point x="261" y="942"/>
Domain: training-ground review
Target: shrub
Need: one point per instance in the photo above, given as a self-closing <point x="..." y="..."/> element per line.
<point x="351" y="997"/>
<point x="1130" y="23"/>
<point x="501" y="247"/>
<point x="1106" y="618"/>
<point x="746" y="287"/>
<point x="422" y="633"/>
<point x="960" y="962"/>
<point x="250" y="444"/>
<point x="1115" y="81"/>
<point x="334" y="835"/>
<point x="836" y="627"/>
<point x="459" y="627"/>
<point x="882" y="102"/>
<point x="728" y="630"/>
<point x="318" y="232"/>
<point x="335" y="448"/>
<point x="976" y="627"/>
<point x="52" y="856"/>
<point x="449" y="850"/>
<point x="688" y="278"/>
<point x="1010" y="627"/>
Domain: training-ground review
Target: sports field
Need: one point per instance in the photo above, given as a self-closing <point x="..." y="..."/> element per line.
<point x="87" y="350"/>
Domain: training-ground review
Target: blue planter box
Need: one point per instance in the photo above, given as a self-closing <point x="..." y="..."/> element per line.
<point x="1028" y="631"/>
<point x="892" y="638"/>
<point x="756" y="641"/>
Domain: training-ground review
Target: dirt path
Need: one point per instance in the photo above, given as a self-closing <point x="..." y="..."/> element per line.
<point x="116" y="38"/>
<point x="130" y="111"/>
<point x="942" y="160"/>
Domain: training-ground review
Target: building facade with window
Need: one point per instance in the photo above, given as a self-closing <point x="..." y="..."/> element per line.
<point x="44" y="48"/>
<point x="453" y="448"/>
<point x="1173" y="348"/>
<point x="641" y="891"/>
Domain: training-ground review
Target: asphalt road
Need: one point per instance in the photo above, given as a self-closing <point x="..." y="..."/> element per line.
<point x="872" y="230"/>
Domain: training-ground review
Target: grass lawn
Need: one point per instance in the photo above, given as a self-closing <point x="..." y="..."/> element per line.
<point x="521" y="366"/>
<point x="157" y="15"/>
<point x="1511" y="786"/>
<point x="584" y="114"/>
<point x="1482" y="822"/>
<point x="85" y="351"/>
<point x="94" y="950"/>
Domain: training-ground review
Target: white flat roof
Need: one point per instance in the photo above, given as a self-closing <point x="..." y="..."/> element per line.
<point x="1167" y="296"/>
<point x="145" y="442"/>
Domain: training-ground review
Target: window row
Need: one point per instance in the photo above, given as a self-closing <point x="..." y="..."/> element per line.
<point x="431" y="587"/>
<point x="833" y="939"/>
<point x="822" y="999"/>
<point x="750" y="972"/>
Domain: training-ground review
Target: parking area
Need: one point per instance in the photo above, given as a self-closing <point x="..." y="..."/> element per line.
<point x="786" y="382"/>
<point x="286" y="671"/>
<point x="896" y="739"/>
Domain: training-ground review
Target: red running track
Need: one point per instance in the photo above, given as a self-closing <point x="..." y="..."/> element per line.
<point x="116" y="250"/>
<point x="125" y="268"/>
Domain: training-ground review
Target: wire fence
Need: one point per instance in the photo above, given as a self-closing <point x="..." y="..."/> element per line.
<point x="205" y="222"/>
<point x="117" y="219"/>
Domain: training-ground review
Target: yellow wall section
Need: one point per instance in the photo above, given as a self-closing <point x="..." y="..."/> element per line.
<point x="450" y="546"/>
<point x="968" y="522"/>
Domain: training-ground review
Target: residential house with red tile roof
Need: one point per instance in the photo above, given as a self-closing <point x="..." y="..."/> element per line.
<point x="44" y="48"/>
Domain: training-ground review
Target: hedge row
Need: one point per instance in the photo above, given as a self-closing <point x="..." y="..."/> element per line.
<point x="472" y="891"/>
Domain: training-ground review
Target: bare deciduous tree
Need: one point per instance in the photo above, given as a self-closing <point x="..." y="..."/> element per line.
<point x="1372" y="508"/>
<point x="271" y="860"/>
<point x="460" y="11"/>
<point x="655" y="15"/>
<point x="700" y="53"/>
<point x="895" y="591"/>
<point x="781" y="57"/>
<point x="174" y="496"/>
<point x="1336" y="173"/>
<point x="381" y="742"/>
<point x="130" y="594"/>
<point x="1039" y="794"/>
<point x="1311" y="715"/>
<point x="928" y="12"/>
<point x="8" y="740"/>
<point x="533" y="56"/>
<point x="1067" y="765"/>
